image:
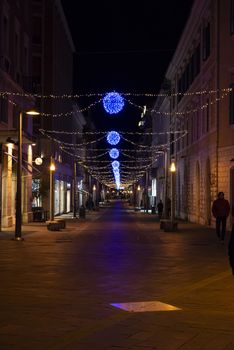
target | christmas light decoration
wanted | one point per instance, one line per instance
(113, 138)
(115, 164)
(114, 153)
(113, 102)
(88, 95)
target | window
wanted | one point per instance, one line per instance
(207, 115)
(194, 126)
(191, 129)
(4, 109)
(197, 60)
(206, 42)
(172, 144)
(16, 50)
(232, 17)
(5, 36)
(16, 112)
(37, 31)
(26, 55)
(231, 112)
(198, 127)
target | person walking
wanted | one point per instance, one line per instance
(160, 209)
(221, 210)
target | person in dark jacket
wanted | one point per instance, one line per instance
(221, 210)
(231, 250)
(160, 209)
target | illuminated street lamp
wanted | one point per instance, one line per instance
(38, 161)
(18, 212)
(173, 171)
(52, 170)
(138, 196)
(94, 195)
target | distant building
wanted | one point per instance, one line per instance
(52, 72)
(203, 62)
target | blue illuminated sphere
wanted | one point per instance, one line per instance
(114, 153)
(113, 138)
(115, 164)
(113, 102)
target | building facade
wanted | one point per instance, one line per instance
(15, 70)
(201, 73)
(52, 74)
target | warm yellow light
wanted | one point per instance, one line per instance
(138, 188)
(173, 167)
(52, 167)
(94, 188)
(32, 112)
(39, 161)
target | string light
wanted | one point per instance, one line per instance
(101, 172)
(114, 106)
(62, 132)
(77, 96)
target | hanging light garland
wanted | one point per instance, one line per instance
(114, 102)
(88, 95)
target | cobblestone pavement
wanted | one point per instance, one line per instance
(57, 287)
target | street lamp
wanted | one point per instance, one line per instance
(173, 171)
(138, 196)
(52, 170)
(94, 195)
(18, 212)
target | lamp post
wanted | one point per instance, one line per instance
(165, 183)
(52, 170)
(138, 195)
(18, 211)
(74, 191)
(173, 170)
(94, 195)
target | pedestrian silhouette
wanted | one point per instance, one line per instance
(160, 209)
(221, 210)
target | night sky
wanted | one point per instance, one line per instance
(123, 46)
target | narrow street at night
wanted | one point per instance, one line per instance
(115, 281)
